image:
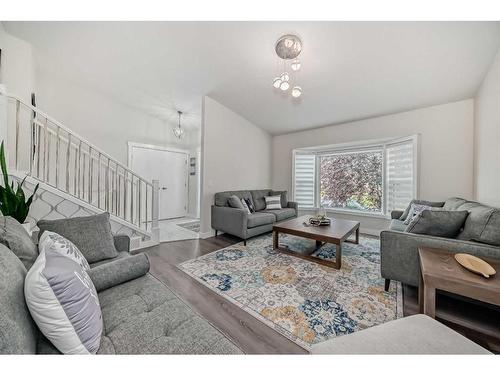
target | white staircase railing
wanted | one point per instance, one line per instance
(51, 153)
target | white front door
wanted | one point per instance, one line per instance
(170, 168)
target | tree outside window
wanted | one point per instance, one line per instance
(352, 181)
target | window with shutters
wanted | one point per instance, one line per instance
(375, 177)
(400, 174)
(304, 179)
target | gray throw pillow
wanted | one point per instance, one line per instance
(438, 223)
(283, 195)
(91, 235)
(491, 232)
(235, 202)
(422, 202)
(14, 236)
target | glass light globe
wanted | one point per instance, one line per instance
(277, 82)
(178, 132)
(284, 85)
(296, 65)
(285, 77)
(296, 91)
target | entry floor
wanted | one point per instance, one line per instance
(178, 229)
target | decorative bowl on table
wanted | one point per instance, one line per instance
(319, 221)
(475, 264)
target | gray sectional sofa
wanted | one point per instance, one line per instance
(141, 315)
(480, 236)
(237, 222)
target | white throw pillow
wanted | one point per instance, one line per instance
(63, 300)
(273, 202)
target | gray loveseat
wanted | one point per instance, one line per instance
(141, 315)
(399, 249)
(237, 222)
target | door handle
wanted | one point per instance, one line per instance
(163, 188)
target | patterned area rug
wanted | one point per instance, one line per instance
(193, 226)
(306, 302)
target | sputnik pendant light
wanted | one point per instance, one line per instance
(288, 48)
(178, 132)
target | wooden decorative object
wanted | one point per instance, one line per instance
(475, 264)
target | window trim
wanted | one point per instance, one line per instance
(359, 147)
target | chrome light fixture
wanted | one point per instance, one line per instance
(178, 132)
(288, 48)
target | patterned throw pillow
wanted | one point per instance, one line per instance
(273, 202)
(245, 206)
(416, 210)
(250, 205)
(62, 298)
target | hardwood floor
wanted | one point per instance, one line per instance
(479, 322)
(247, 332)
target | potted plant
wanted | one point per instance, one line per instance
(13, 202)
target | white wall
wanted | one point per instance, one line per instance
(17, 70)
(487, 138)
(445, 155)
(236, 155)
(16, 77)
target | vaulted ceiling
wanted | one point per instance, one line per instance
(350, 70)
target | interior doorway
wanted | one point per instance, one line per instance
(170, 168)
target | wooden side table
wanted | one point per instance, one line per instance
(440, 270)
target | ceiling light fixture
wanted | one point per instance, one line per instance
(296, 91)
(296, 65)
(288, 48)
(178, 132)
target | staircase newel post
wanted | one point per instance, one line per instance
(155, 210)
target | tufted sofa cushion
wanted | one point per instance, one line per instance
(143, 316)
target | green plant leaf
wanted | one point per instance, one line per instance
(4, 166)
(13, 202)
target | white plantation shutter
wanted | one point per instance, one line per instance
(304, 179)
(400, 174)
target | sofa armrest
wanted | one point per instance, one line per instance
(293, 205)
(396, 214)
(122, 242)
(230, 220)
(399, 253)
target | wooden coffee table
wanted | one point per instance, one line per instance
(336, 233)
(440, 270)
